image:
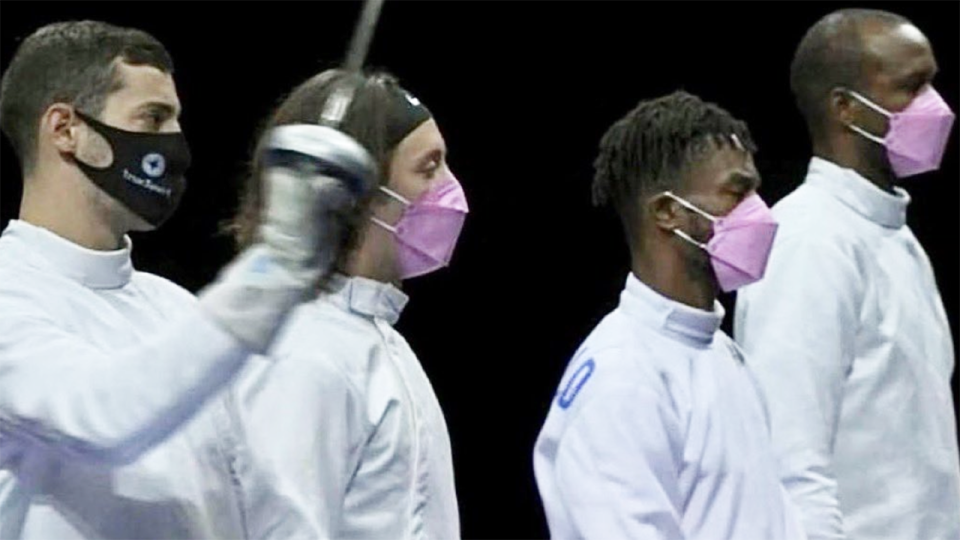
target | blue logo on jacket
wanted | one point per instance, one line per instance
(576, 382)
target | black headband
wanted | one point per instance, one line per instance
(404, 115)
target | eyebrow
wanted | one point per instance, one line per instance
(923, 73)
(433, 153)
(919, 76)
(742, 180)
(159, 108)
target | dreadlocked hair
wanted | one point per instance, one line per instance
(648, 150)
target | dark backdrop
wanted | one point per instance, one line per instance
(523, 92)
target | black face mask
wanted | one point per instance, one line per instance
(146, 175)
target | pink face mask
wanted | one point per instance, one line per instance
(917, 137)
(429, 228)
(741, 241)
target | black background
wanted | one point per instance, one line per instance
(522, 91)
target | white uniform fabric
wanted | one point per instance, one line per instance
(657, 432)
(848, 337)
(347, 425)
(98, 364)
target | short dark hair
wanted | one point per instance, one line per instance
(829, 56)
(649, 149)
(366, 121)
(70, 62)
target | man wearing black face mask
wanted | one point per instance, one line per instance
(107, 426)
(146, 174)
(847, 332)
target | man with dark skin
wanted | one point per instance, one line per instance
(657, 431)
(847, 333)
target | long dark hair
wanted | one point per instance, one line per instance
(365, 121)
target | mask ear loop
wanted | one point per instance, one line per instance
(695, 210)
(690, 239)
(859, 97)
(395, 196)
(691, 207)
(875, 108)
(383, 224)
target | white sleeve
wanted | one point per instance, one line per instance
(798, 326)
(59, 390)
(617, 467)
